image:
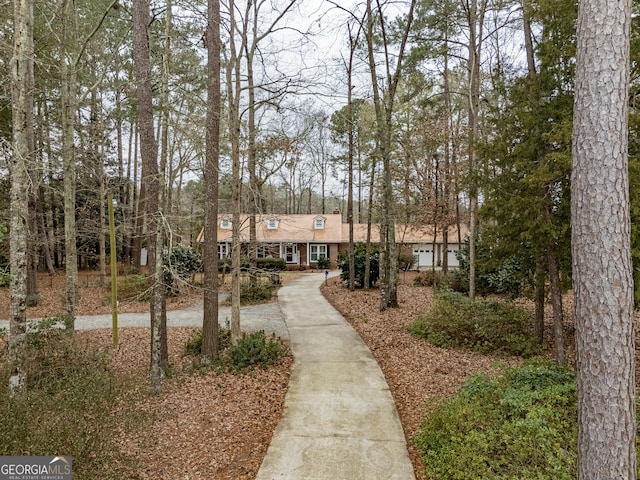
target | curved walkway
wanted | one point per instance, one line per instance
(340, 422)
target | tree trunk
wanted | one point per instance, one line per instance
(540, 281)
(233, 94)
(384, 116)
(20, 93)
(211, 177)
(601, 251)
(474, 48)
(352, 121)
(68, 103)
(150, 177)
(556, 302)
(367, 264)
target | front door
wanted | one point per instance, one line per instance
(291, 253)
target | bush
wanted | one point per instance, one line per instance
(193, 346)
(70, 393)
(360, 261)
(255, 350)
(271, 264)
(323, 263)
(428, 278)
(181, 265)
(251, 350)
(481, 325)
(405, 261)
(33, 299)
(520, 425)
(501, 275)
(134, 287)
(255, 292)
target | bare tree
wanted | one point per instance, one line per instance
(600, 220)
(384, 105)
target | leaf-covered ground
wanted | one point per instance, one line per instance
(219, 427)
(417, 373)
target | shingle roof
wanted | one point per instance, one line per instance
(300, 229)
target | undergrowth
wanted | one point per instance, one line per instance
(484, 326)
(67, 406)
(251, 350)
(520, 425)
(257, 292)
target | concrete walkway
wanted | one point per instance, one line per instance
(340, 422)
(267, 317)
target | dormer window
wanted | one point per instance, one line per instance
(225, 223)
(318, 223)
(272, 223)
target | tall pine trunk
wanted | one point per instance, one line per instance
(601, 245)
(211, 177)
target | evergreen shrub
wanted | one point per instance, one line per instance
(180, 266)
(323, 263)
(271, 264)
(250, 350)
(255, 350)
(521, 425)
(255, 292)
(134, 287)
(485, 326)
(360, 255)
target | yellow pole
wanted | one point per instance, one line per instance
(114, 271)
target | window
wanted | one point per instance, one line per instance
(272, 223)
(318, 223)
(317, 252)
(225, 223)
(223, 250)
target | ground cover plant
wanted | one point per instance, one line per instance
(251, 350)
(521, 424)
(66, 406)
(486, 326)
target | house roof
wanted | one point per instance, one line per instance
(300, 229)
(289, 229)
(405, 233)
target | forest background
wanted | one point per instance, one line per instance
(475, 128)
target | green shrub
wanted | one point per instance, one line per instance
(255, 350)
(193, 346)
(520, 425)
(405, 261)
(180, 266)
(249, 351)
(66, 407)
(481, 325)
(360, 255)
(271, 264)
(496, 272)
(134, 287)
(428, 278)
(323, 263)
(255, 292)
